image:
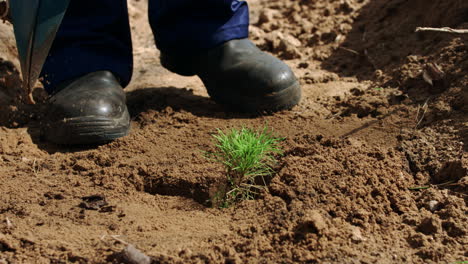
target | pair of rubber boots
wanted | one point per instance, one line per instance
(92, 109)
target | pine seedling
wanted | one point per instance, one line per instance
(248, 156)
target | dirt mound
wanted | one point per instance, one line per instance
(335, 196)
(372, 40)
(375, 167)
(358, 37)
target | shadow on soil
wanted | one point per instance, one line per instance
(383, 39)
(178, 99)
(383, 35)
(138, 102)
(383, 47)
(208, 191)
(201, 192)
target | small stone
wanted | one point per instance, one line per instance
(135, 256)
(356, 235)
(290, 40)
(433, 205)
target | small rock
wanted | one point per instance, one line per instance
(356, 235)
(135, 256)
(290, 40)
(433, 205)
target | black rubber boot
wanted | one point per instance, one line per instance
(87, 110)
(240, 76)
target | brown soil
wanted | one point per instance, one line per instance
(368, 131)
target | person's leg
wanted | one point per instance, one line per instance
(94, 36)
(208, 38)
(89, 63)
(189, 26)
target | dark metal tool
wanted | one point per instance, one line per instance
(35, 24)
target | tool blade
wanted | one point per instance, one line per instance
(35, 25)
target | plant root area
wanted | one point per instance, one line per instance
(374, 171)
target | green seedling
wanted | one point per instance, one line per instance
(248, 157)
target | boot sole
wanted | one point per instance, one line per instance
(87, 130)
(273, 102)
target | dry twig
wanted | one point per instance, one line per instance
(35, 167)
(350, 50)
(421, 109)
(444, 29)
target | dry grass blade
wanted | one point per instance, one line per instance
(421, 113)
(350, 50)
(443, 29)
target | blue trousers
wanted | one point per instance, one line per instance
(95, 34)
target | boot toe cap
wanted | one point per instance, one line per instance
(258, 83)
(89, 110)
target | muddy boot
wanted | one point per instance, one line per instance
(87, 110)
(240, 76)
